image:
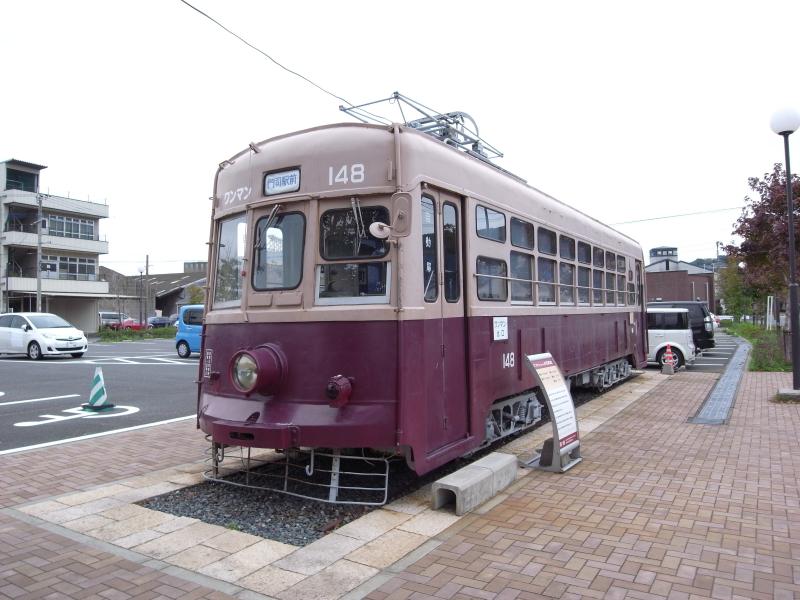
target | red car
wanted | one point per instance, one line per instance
(127, 324)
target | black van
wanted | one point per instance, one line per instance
(699, 319)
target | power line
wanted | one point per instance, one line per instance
(244, 41)
(702, 212)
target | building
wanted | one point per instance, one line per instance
(64, 234)
(668, 278)
(147, 295)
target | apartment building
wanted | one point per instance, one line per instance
(64, 234)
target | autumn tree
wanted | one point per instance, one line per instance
(763, 226)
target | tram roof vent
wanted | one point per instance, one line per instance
(457, 129)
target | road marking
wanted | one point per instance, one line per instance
(93, 435)
(38, 399)
(79, 413)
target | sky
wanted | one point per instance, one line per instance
(628, 111)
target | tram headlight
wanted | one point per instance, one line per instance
(262, 369)
(245, 372)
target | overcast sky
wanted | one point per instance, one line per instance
(626, 110)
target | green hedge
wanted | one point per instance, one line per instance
(110, 335)
(767, 353)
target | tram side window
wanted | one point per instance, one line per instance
(451, 246)
(584, 284)
(597, 287)
(598, 260)
(566, 247)
(621, 263)
(429, 266)
(584, 253)
(547, 280)
(610, 287)
(621, 287)
(278, 252)
(521, 234)
(495, 286)
(547, 241)
(566, 281)
(522, 269)
(490, 224)
(230, 259)
(611, 261)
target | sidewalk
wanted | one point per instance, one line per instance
(659, 508)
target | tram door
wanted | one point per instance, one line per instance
(446, 396)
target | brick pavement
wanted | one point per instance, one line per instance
(659, 508)
(36, 563)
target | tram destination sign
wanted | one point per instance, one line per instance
(562, 451)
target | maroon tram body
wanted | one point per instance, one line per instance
(322, 331)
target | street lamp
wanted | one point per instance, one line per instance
(785, 122)
(141, 293)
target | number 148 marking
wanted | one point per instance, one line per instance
(347, 174)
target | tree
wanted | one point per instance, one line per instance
(763, 226)
(737, 296)
(196, 294)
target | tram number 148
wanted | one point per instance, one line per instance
(346, 174)
(508, 360)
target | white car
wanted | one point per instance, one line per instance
(670, 326)
(40, 334)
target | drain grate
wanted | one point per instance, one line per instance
(717, 407)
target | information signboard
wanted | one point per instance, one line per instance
(562, 451)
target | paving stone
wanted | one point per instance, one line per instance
(244, 562)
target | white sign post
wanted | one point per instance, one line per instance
(562, 451)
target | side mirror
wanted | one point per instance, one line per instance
(401, 214)
(26, 327)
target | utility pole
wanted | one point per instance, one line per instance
(39, 254)
(147, 284)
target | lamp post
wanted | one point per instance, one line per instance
(141, 293)
(785, 122)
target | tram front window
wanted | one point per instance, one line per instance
(345, 237)
(278, 252)
(230, 257)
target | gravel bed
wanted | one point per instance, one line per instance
(290, 519)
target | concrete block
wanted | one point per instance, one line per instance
(470, 486)
(503, 467)
(476, 483)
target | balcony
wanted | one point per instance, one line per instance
(56, 203)
(51, 243)
(51, 285)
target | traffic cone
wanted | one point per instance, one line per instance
(98, 398)
(667, 367)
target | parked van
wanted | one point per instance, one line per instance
(699, 318)
(108, 318)
(669, 326)
(190, 326)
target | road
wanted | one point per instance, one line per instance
(40, 400)
(714, 360)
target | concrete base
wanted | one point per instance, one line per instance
(788, 395)
(476, 483)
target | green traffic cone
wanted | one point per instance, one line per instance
(98, 398)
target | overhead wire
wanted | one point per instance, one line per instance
(244, 41)
(702, 212)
